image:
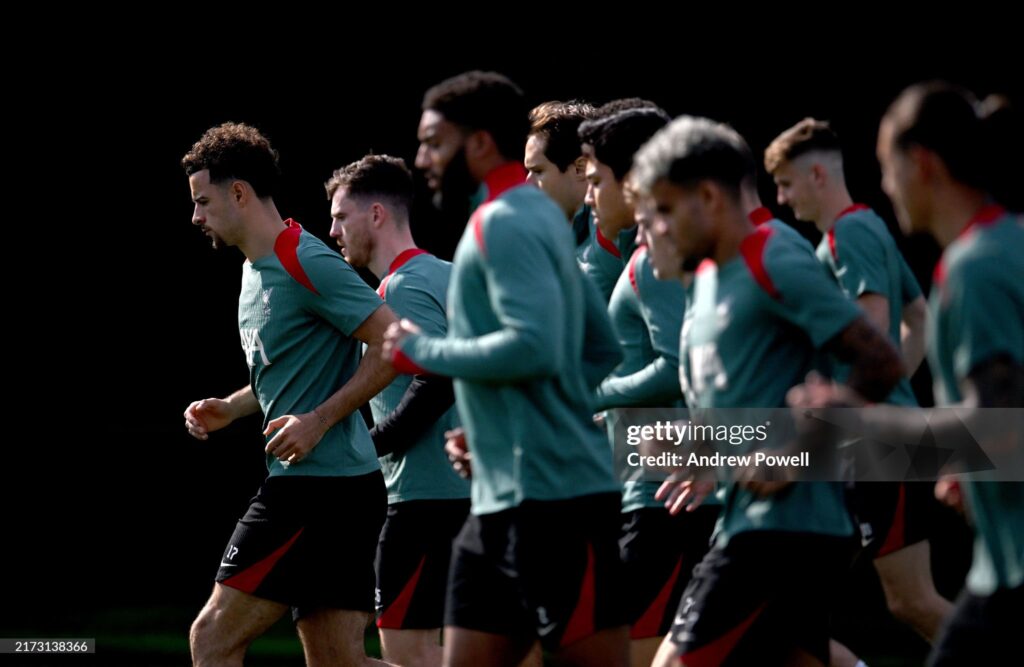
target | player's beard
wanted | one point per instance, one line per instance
(457, 186)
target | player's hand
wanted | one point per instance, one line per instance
(296, 436)
(395, 334)
(818, 392)
(458, 453)
(683, 493)
(209, 414)
(949, 492)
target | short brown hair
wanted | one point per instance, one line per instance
(806, 136)
(558, 124)
(377, 177)
(235, 150)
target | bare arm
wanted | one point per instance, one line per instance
(875, 365)
(298, 434)
(876, 309)
(212, 414)
(912, 333)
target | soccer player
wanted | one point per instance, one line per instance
(427, 501)
(858, 250)
(760, 312)
(538, 558)
(935, 149)
(611, 243)
(301, 313)
(659, 550)
(554, 160)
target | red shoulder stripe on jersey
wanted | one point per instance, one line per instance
(286, 247)
(760, 215)
(853, 208)
(986, 215)
(249, 579)
(477, 221)
(606, 244)
(632, 266)
(752, 249)
(398, 263)
(705, 265)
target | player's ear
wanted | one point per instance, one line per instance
(240, 192)
(580, 167)
(378, 214)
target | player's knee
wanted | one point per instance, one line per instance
(412, 650)
(906, 606)
(205, 641)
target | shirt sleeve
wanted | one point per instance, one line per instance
(342, 298)
(909, 287)
(662, 304)
(427, 396)
(979, 324)
(807, 297)
(601, 350)
(525, 295)
(860, 261)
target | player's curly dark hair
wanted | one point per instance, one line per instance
(235, 151)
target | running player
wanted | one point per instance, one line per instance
(760, 312)
(894, 519)
(554, 161)
(934, 149)
(427, 501)
(538, 558)
(301, 313)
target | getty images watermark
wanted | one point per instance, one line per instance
(840, 444)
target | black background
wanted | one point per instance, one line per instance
(126, 315)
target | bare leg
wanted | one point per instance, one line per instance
(227, 624)
(906, 577)
(840, 656)
(667, 655)
(412, 648)
(472, 648)
(642, 651)
(334, 638)
(606, 648)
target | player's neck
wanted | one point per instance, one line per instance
(262, 230)
(730, 236)
(953, 207)
(833, 202)
(387, 248)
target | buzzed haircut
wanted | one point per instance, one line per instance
(805, 137)
(484, 101)
(623, 104)
(558, 124)
(617, 137)
(692, 149)
(944, 119)
(236, 151)
(377, 177)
